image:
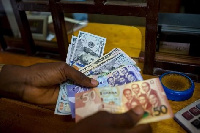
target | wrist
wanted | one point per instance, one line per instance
(11, 84)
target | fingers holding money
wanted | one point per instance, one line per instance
(128, 119)
(127, 122)
(113, 123)
(79, 77)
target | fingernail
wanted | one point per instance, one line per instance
(138, 110)
(94, 82)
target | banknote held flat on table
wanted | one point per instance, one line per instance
(119, 99)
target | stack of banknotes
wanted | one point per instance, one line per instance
(121, 86)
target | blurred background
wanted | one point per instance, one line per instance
(178, 25)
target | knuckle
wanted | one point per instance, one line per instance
(81, 78)
(63, 70)
(63, 65)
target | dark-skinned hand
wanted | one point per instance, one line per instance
(104, 122)
(39, 83)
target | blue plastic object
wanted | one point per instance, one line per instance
(178, 95)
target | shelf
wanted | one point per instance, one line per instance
(172, 62)
(45, 49)
(165, 62)
(177, 58)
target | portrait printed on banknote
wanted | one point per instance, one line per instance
(88, 48)
(86, 57)
(145, 94)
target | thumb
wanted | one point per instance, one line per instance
(128, 119)
(79, 77)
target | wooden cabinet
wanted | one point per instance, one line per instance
(179, 28)
(170, 6)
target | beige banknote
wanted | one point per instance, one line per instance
(119, 99)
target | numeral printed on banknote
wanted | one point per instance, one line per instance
(86, 103)
(71, 90)
(151, 96)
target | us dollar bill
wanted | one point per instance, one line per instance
(68, 54)
(110, 64)
(102, 59)
(88, 48)
(62, 105)
(69, 57)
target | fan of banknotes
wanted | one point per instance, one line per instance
(121, 86)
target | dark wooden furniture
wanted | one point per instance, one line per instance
(155, 63)
(149, 10)
(4, 27)
(183, 28)
(167, 6)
